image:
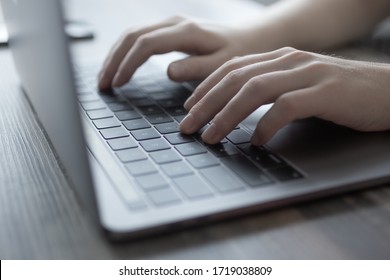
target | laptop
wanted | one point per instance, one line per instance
(137, 175)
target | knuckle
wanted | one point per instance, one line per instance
(198, 111)
(299, 56)
(288, 105)
(230, 65)
(128, 35)
(287, 49)
(144, 41)
(318, 66)
(190, 25)
(255, 85)
(178, 18)
(234, 76)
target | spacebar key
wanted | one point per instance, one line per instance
(247, 170)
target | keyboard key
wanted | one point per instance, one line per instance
(155, 145)
(127, 115)
(130, 155)
(193, 187)
(122, 143)
(99, 114)
(88, 98)
(150, 109)
(152, 181)
(178, 138)
(262, 156)
(165, 156)
(106, 123)
(164, 95)
(181, 92)
(118, 106)
(152, 87)
(142, 102)
(144, 76)
(159, 118)
(165, 128)
(203, 160)
(285, 173)
(115, 132)
(111, 97)
(169, 103)
(250, 150)
(90, 81)
(134, 205)
(93, 105)
(269, 161)
(164, 197)
(176, 169)
(170, 85)
(133, 94)
(142, 167)
(144, 134)
(179, 118)
(136, 124)
(246, 170)
(83, 90)
(223, 150)
(239, 136)
(222, 180)
(130, 87)
(176, 111)
(190, 149)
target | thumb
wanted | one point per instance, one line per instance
(194, 67)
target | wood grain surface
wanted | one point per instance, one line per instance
(40, 217)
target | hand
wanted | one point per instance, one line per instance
(209, 47)
(300, 84)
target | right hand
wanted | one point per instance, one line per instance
(300, 85)
(208, 45)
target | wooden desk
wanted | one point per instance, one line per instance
(40, 217)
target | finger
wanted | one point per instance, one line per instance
(173, 38)
(123, 45)
(220, 95)
(228, 67)
(258, 91)
(289, 107)
(217, 98)
(195, 67)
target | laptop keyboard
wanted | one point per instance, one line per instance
(140, 124)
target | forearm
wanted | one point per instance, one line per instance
(316, 24)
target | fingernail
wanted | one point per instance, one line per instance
(188, 123)
(210, 135)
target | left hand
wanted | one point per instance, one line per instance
(208, 44)
(300, 84)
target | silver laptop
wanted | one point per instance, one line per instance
(128, 163)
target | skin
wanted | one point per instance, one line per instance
(349, 93)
